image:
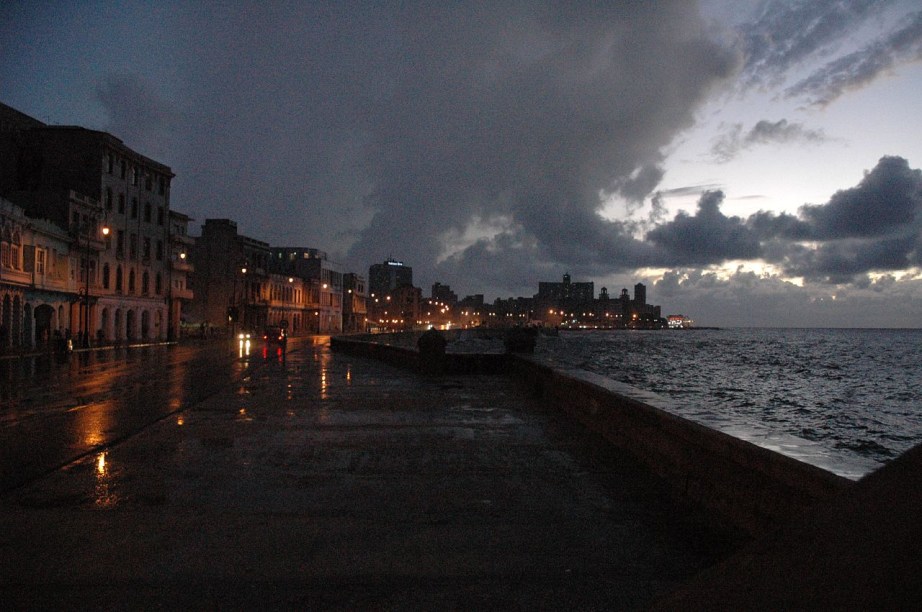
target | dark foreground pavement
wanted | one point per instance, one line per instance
(330, 481)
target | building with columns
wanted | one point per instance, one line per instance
(114, 206)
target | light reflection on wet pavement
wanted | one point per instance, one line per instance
(54, 410)
(325, 480)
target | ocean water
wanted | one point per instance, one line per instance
(847, 400)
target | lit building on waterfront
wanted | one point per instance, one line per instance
(323, 280)
(355, 303)
(114, 205)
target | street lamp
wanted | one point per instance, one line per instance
(86, 292)
(246, 295)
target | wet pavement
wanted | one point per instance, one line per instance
(330, 481)
(55, 408)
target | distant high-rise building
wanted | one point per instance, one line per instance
(566, 292)
(443, 293)
(385, 278)
(640, 295)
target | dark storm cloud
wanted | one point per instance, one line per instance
(873, 227)
(888, 200)
(845, 261)
(530, 111)
(377, 130)
(708, 237)
(137, 114)
(732, 142)
(863, 66)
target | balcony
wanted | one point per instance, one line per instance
(183, 265)
(182, 239)
(182, 294)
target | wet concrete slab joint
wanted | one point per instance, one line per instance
(339, 481)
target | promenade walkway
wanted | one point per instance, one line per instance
(332, 481)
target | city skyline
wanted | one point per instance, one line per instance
(753, 163)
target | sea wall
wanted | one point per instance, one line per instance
(400, 350)
(754, 488)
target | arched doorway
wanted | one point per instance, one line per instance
(105, 323)
(119, 325)
(6, 325)
(130, 325)
(16, 327)
(44, 324)
(28, 340)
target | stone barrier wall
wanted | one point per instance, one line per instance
(752, 487)
(398, 352)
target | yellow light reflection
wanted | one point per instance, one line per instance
(103, 494)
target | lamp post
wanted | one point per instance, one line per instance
(86, 292)
(246, 296)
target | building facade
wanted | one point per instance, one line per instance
(355, 303)
(114, 205)
(323, 279)
(231, 272)
(38, 280)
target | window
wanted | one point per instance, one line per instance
(121, 203)
(105, 276)
(146, 251)
(108, 198)
(159, 284)
(109, 162)
(40, 262)
(160, 215)
(123, 168)
(5, 254)
(134, 175)
(131, 281)
(148, 182)
(15, 262)
(120, 243)
(134, 208)
(118, 279)
(160, 250)
(133, 246)
(147, 212)
(161, 188)
(145, 283)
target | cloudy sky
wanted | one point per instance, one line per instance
(754, 163)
